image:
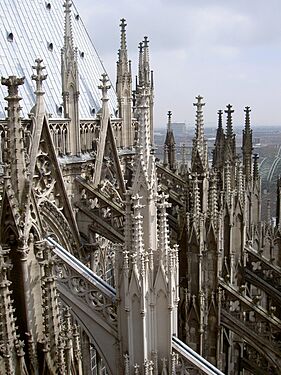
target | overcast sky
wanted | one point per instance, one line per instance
(229, 51)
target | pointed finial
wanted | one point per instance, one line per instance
(141, 73)
(229, 111)
(145, 41)
(123, 33)
(39, 77)
(68, 37)
(169, 120)
(220, 113)
(199, 101)
(247, 111)
(123, 25)
(199, 120)
(104, 87)
(67, 4)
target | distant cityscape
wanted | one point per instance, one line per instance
(266, 143)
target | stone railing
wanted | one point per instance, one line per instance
(84, 286)
(190, 362)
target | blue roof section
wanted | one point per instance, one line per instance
(31, 29)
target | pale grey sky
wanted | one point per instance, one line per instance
(229, 51)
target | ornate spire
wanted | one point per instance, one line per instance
(122, 63)
(104, 117)
(247, 111)
(247, 145)
(169, 127)
(199, 148)
(199, 129)
(218, 152)
(169, 146)
(144, 140)
(146, 67)
(141, 64)
(124, 91)
(220, 113)
(229, 129)
(70, 82)
(230, 149)
(123, 34)
(68, 36)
